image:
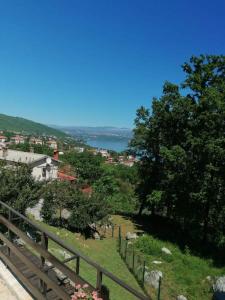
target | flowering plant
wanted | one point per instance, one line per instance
(82, 293)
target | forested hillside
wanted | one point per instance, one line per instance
(26, 126)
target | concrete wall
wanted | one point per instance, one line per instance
(44, 172)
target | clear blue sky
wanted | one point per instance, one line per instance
(78, 62)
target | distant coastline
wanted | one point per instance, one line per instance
(109, 143)
(109, 138)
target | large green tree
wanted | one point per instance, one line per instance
(181, 145)
(18, 187)
(83, 209)
(86, 165)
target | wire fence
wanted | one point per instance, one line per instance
(133, 258)
(136, 263)
(114, 230)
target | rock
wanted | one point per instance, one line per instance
(60, 275)
(36, 210)
(48, 264)
(64, 253)
(30, 236)
(96, 236)
(92, 226)
(152, 278)
(65, 213)
(166, 251)
(157, 262)
(181, 297)
(209, 278)
(219, 288)
(130, 236)
(19, 242)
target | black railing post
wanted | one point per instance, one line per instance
(44, 244)
(133, 260)
(9, 231)
(125, 257)
(159, 288)
(78, 265)
(120, 239)
(143, 274)
(99, 281)
(112, 231)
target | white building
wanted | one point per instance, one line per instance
(52, 144)
(18, 139)
(43, 167)
(36, 141)
(103, 152)
(79, 149)
(2, 139)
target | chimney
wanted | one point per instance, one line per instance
(56, 154)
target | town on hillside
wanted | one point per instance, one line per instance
(42, 154)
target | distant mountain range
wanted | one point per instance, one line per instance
(25, 126)
(96, 132)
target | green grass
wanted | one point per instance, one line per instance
(103, 252)
(183, 273)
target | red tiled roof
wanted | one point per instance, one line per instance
(87, 190)
(63, 176)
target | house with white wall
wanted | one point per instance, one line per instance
(3, 139)
(18, 139)
(43, 166)
(52, 144)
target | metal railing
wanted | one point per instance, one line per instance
(46, 283)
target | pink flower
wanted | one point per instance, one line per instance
(85, 286)
(78, 286)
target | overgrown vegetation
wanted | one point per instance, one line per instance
(115, 183)
(17, 187)
(183, 273)
(81, 210)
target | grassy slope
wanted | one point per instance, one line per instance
(103, 252)
(27, 126)
(183, 273)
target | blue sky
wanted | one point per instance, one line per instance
(95, 62)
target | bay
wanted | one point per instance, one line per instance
(115, 144)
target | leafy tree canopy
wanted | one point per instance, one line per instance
(18, 188)
(181, 144)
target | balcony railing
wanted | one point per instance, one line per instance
(35, 266)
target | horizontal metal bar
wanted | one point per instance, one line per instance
(46, 269)
(47, 255)
(15, 219)
(24, 281)
(33, 267)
